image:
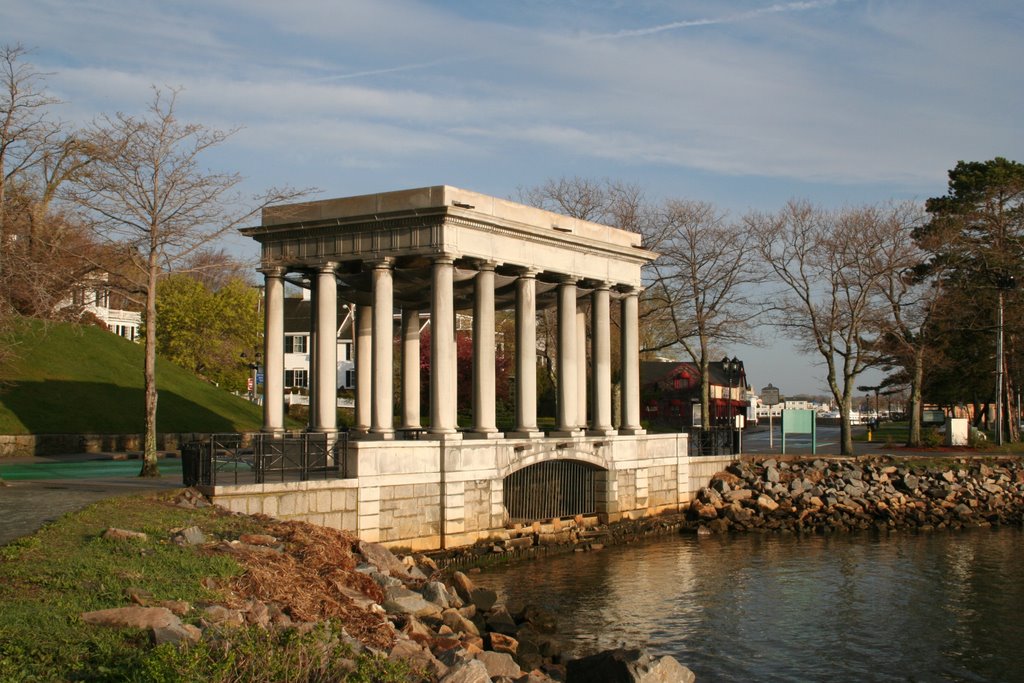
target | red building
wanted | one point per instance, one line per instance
(670, 392)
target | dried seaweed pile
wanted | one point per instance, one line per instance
(308, 576)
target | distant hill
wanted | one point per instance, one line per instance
(75, 379)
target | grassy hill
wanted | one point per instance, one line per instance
(73, 379)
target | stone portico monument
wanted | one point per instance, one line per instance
(442, 249)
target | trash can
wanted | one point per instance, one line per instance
(190, 453)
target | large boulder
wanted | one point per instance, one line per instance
(627, 666)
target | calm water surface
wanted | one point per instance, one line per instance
(899, 607)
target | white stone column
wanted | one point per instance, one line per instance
(326, 350)
(443, 415)
(581, 366)
(568, 389)
(311, 414)
(362, 343)
(631, 364)
(484, 417)
(601, 361)
(382, 412)
(410, 368)
(273, 351)
(526, 356)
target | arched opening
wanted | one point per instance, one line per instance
(556, 488)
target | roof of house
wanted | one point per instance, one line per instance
(654, 371)
(298, 312)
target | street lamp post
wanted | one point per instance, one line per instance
(254, 366)
(732, 369)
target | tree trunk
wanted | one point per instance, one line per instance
(150, 468)
(845, 429)
(914, 433)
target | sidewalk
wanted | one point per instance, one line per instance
(26, 504)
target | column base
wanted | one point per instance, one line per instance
(274, 431)
(442, 436)
(630, 431)
(525, 435)
(602, 431)
(379, 436)
(566, 433)
(495, 434)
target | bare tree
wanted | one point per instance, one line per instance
(913, 294)
(147, 193)
(830, 267)
(43, 251)
(704, 283)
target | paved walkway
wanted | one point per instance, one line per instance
(28, 504)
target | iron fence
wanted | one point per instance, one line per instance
(712, 440)
(559, 488)
(225, 459)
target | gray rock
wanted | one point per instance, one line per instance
(483, 598)
(469, 671)
(192, 535)
(116, 534)
(437, 592)
(132, 617)
(627, 666)
(771, 475)
(501, 621)
(176, 633)
(399, 600)
(738, 494)
(499, 664)
(384, 560)
(459, 623)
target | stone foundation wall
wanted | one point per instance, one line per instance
(426, 495)
(330, 503)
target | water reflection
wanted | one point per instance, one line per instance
(900, 607)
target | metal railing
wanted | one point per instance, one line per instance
(222, 459)
(712, 440)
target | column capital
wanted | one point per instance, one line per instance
(328, 267)
(484, 264)
(525, 272)
(273, 271)
(603, 285)
(384, 263)
(630, 290)
(564, 279)
(444, 258)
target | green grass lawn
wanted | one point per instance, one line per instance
(49, 579)
(74, 379)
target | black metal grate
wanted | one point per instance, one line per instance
(222, 459)
(557, 488)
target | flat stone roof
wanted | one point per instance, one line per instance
(441, 197)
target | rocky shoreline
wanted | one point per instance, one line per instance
(403, 608)
(418, 609)
(822, 496)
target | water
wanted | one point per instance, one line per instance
(858, 607)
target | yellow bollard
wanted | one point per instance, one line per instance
(869, 433)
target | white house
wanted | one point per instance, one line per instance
(93, 297)
(297, 316)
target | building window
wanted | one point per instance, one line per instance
(296, 378)
(350, 378)
(346, 351)
(295, 343)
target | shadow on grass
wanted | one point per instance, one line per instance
(69, 407)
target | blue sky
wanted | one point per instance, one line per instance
(743, 103)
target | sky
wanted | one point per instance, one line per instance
(742, 103)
